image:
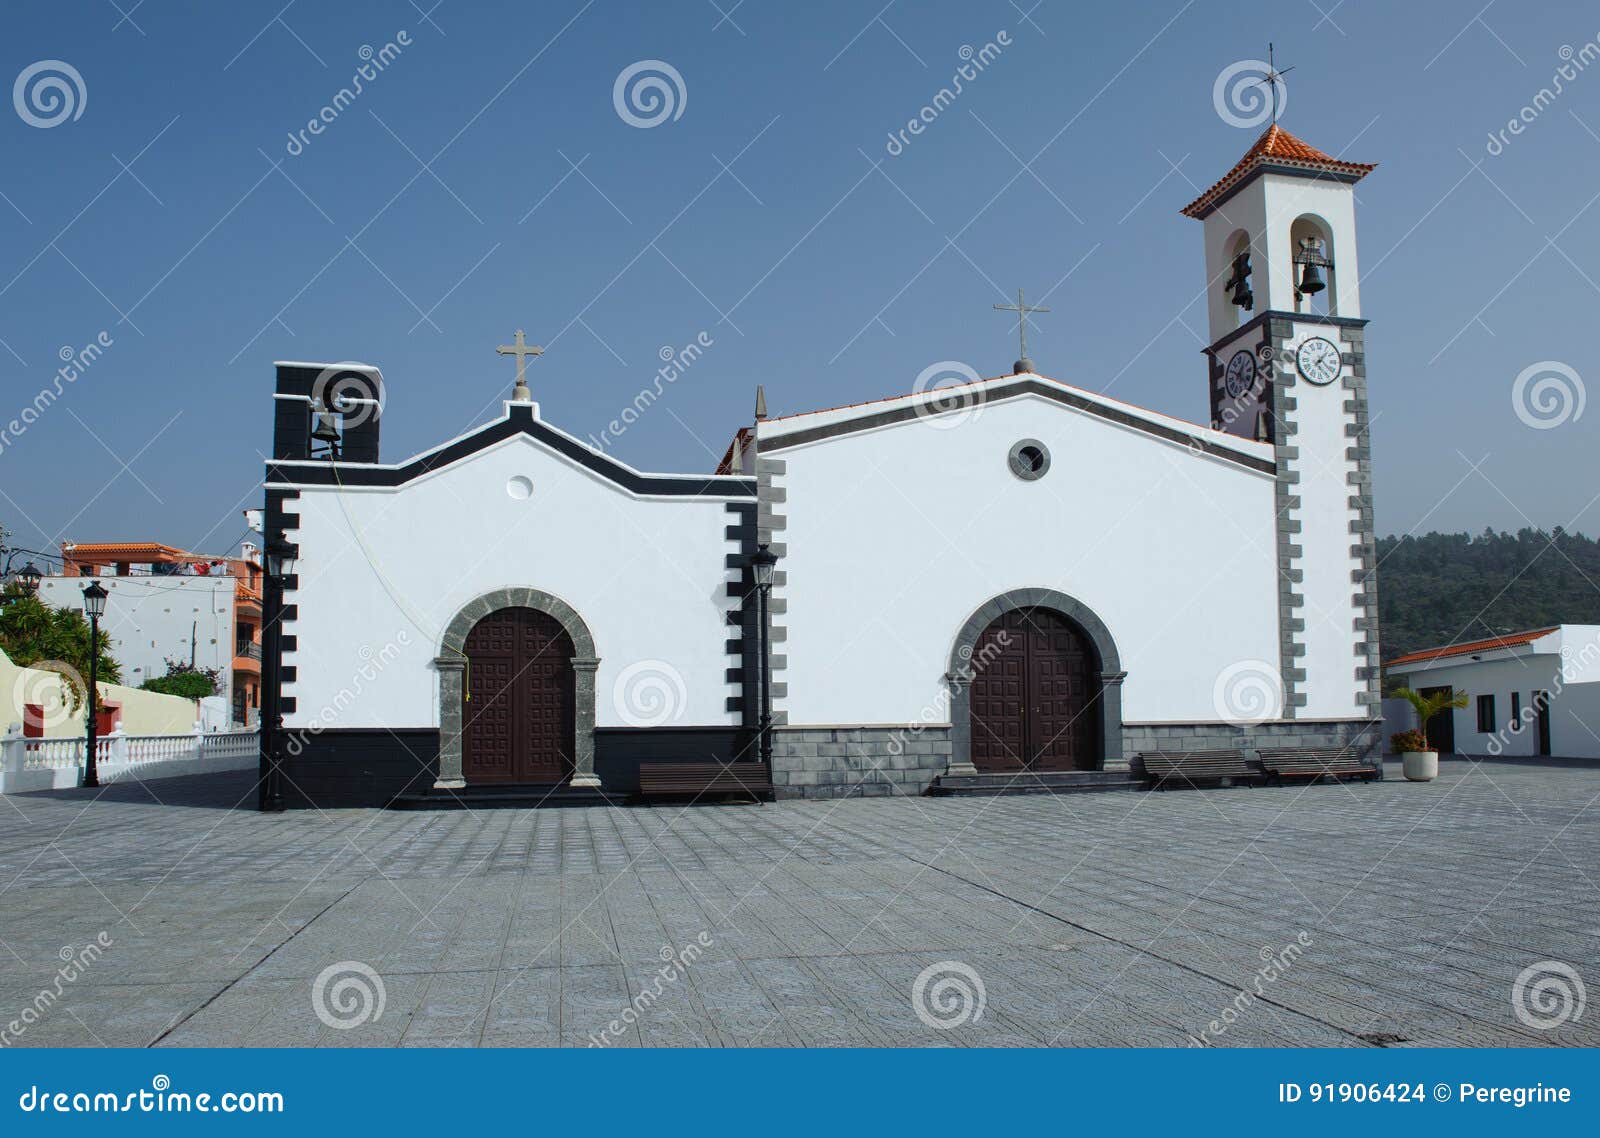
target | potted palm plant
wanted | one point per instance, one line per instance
(1418, 760)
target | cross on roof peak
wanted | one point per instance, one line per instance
(1022, 308)
(522, 350)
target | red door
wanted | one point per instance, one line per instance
(518, 715)
(1034, 695)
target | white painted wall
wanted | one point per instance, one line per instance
(150, 618)
(896, 535)
(1565, 664)
(1327, 585)
(383, 571)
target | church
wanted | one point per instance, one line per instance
(962, 588)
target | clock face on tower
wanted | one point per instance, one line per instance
(1240, 401)
(1318, 361)
(1240, 375)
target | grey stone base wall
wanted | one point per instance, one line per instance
(855, 762)
(1288, 733)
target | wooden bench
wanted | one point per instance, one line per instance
(660, 780)
(1189, 768)
(1282, 763)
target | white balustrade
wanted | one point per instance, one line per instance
(56, 763)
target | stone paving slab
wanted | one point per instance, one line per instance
(1299, 916)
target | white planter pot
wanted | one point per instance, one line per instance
(1420, 766)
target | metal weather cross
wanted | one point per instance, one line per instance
(1273, 78)
(522, 350)
(1022, 308)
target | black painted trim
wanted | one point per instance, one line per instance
(1267, 314)
(1050, 391)
(520, 422)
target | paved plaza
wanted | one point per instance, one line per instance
(1392, 913)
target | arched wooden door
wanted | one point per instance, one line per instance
(518, 714)
(1035, 695)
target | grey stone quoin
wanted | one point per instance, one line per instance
(452, 664)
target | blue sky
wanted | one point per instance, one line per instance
(485, 181)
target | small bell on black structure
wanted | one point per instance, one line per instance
(327, 431)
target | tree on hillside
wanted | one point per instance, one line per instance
(1443, 588)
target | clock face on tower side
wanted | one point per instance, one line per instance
(1318, 361)
(1240, 376)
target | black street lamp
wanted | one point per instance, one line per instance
(28, 577)
(762, 562)
(94, 607)
(281, 560)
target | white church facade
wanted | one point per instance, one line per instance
(1014, 576)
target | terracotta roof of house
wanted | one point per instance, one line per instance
(134, 552)
(1276, 147)
(1510, 640)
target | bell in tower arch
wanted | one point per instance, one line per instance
(1311, 261)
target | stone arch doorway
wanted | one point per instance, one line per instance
(1036, 684)
(1034, 693)
(531, 661)
(518, 714)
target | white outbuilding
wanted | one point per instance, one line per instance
(1528, 693)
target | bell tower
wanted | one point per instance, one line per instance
(1287, 367)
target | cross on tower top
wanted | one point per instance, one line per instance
(1021, 308)
(1273, 78)
(522, 350)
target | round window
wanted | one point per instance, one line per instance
(1029, 459)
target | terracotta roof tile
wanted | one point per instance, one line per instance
(1276, 147)
(1489, 644)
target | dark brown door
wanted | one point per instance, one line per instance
(1034, 695)
(519, 710)
(1541, 704)
(1441, 729)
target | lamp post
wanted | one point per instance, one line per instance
(761, 565)
(281, 561)
(94, 607)
(28, 577)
